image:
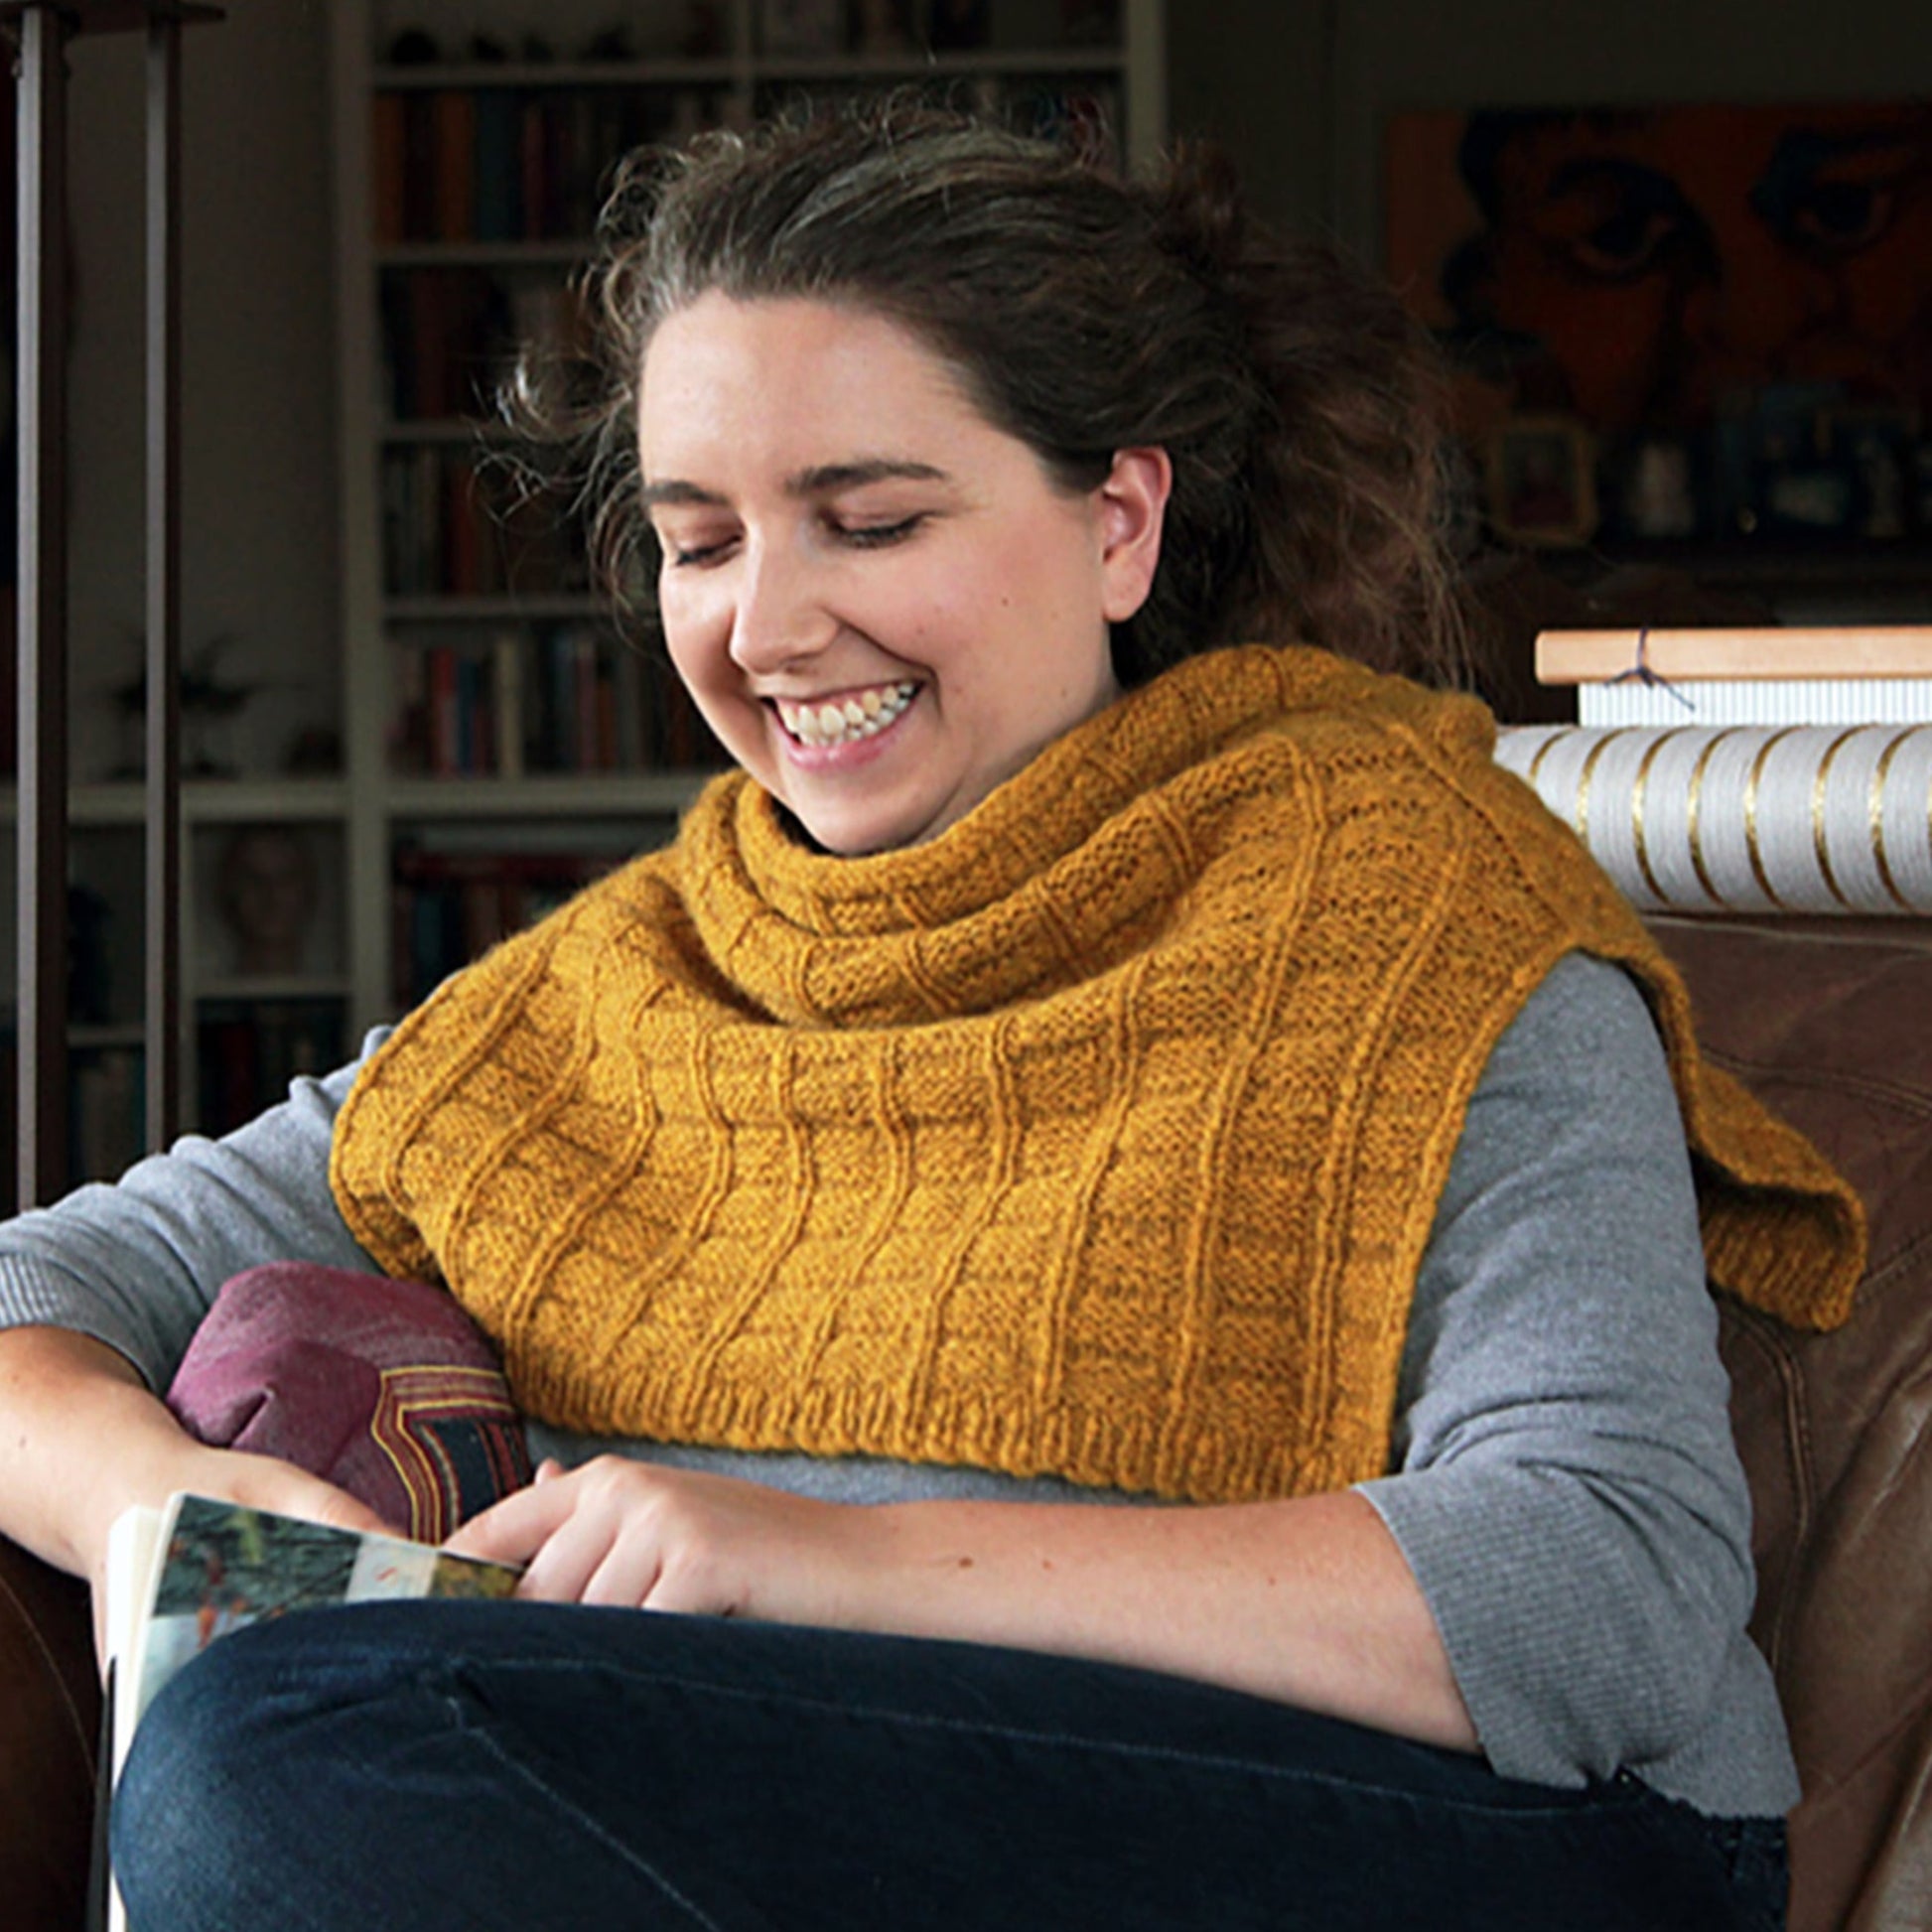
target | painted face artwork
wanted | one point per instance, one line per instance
(1642, 268)
(882, 605)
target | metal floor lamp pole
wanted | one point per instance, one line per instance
(45, 31)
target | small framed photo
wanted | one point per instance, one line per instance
(1541, 481)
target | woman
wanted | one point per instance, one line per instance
(1078, 1059)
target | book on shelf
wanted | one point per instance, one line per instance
(455, 523)
(512, 164)
(248, 1051)
(106, 1111)
(567, 698)
(181, 1578)
(451, 906)
(1873, 674)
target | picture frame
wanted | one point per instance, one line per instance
(1540, 481)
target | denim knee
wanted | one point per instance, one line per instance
(183, 1815)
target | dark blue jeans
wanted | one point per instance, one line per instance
(477, 1765)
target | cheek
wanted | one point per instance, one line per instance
(692, 631)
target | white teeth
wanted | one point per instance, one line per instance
(865, 715)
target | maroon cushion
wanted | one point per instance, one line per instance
(385, 1388)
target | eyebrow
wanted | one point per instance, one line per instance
(822, 479)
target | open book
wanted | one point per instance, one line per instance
(183, 1577)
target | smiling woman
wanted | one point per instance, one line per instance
(834, 514)
(1107, 1241)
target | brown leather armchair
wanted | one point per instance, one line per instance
(1831, 1026)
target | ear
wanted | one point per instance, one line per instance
(1133, 504)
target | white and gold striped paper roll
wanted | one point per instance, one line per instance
(1743, 819)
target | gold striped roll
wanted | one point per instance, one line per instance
(1744, 818)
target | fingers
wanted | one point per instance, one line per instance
(593, 1535)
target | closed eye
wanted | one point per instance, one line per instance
(681, 556)
(878, 536)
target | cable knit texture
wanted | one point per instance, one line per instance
(1100, 1135)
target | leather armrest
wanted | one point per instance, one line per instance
(1836, 1033)
(50, 1727)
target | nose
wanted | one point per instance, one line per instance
(779, 616)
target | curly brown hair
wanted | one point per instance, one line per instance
(1084, 312)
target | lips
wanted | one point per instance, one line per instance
(846, 718)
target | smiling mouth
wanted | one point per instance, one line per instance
(843, 721)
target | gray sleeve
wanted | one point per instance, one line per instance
(1566, 1487)
(136, 1264)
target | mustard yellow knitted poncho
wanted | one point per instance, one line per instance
(1100, 1135)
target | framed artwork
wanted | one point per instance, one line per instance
(1735, 282)
(1540, 480)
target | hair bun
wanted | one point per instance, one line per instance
(1201, 212)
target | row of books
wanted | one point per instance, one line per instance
(248, 1051)
(451, 906)
(514, 164)
(246, 1054)
(451, 336)
(106, 1111)
(458, 522)
(567, 697)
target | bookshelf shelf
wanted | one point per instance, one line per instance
(669, 70)
(464, 194)
(561, 608)
(203, 802)
(622, 794)
(282, 986)
(510, 253)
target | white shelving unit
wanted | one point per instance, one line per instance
(376, 801)
(106, 1036)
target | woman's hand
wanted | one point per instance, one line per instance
(619, 1532)
(82, 1437)
(1307, 1601)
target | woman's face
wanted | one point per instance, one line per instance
(882, 605)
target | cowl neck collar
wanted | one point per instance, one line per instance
(1046, 880)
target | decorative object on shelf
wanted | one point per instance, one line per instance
(959, 26)
(1541, 476)
(1744, 819)
(1750, 282)
(267, 890)
(414, 47)
(1659, 499)
(209, 709)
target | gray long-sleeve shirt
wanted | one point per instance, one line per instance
(1563, 1480)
